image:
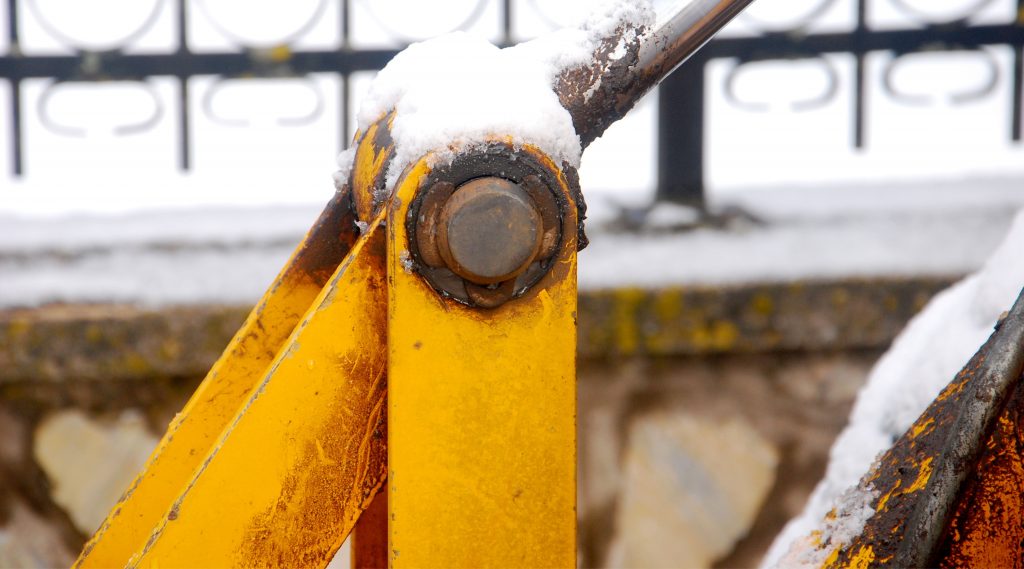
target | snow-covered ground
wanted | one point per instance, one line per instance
(174, 256)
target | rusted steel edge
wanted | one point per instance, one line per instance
(601, 93)
(1001, 368)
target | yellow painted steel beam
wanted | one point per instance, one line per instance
(482, 448)
(279, 487)
(192, 433)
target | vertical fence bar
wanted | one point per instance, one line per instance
(17, 136)
(681, 134)
(859, 89)
(184, 136)
(343, 104)
(506, 22)
(1018, 80)
(345, 22)
(12, 23)
(346, 87)
(1018, 92)
(184, 132)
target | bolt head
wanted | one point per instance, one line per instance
(489, 231)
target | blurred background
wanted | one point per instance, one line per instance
(761, 226)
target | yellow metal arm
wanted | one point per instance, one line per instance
(230, 382)
(286, 442)
(482, 449)
(306, 453)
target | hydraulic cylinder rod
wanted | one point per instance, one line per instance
(603, 92)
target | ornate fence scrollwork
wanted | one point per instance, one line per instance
(454, 20)
(964, 95)
(927, 33)
(800, 24)
(72, 40)
(799, 36)
(128, 128)
(308, 20)
(916, 10)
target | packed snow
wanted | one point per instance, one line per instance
(923, 359)
(457, 91)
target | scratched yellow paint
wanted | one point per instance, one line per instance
(288, 477)
(193, 431)
(373, 152)
(482, 448)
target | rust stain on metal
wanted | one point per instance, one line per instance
(329, 239)
(489, 230)
(987, 526)
(426, 227)
(594, 94)
(901, 474)
(370, 536)
(524, 168)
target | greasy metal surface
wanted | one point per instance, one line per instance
(522, 167)
(923, 514)
(677, 37)
(370, 536)
(227, 385)
(306, 452)
(602, 92)
(489, 230)
(482, 454)
(989, 391)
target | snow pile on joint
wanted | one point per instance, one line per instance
(922, 360)
(456, 92)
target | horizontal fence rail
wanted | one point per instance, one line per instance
(682, 97)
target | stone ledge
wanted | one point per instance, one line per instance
(803, 316)
(116, 342)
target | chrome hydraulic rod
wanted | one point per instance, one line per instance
(603, 92)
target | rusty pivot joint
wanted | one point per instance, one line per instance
(489, 226)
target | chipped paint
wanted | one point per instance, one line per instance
(985, 524)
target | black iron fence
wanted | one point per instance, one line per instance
(681, 109)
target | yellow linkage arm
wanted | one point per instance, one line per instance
(228, 385)
(305, 455)
(462, 296)
(482, 411)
